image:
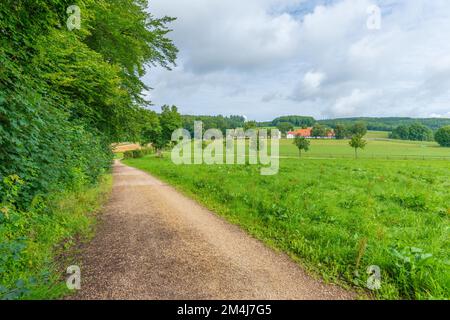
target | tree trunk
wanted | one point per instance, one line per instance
(356, 153)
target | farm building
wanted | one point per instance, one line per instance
(307, 133)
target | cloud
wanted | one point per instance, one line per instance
(313, 80)
(348, 105)
(238, 35)
(265, 58)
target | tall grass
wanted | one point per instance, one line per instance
(36, 246)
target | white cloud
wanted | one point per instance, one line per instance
(313, 80)
(264, 58)
(348, 105)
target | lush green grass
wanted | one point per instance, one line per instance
(37, 246)
(338, 216)
(379, 149)
(377, 135)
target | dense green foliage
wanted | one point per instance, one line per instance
(138, 153)
(298, 121)
(170, 121)
(414, 132)
(64, 97)
(213, 122)
(319, 130)
(375, 124)
(388, 124)
(442, 136)
(338, 216)
(249, 125)
(285, 127)
(32, 239)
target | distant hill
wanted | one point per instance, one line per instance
(390, 123)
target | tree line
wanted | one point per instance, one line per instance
(429, 129)
(68, 89)
(389, 123)
(66, 95)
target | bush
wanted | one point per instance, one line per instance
(48, 152)
(135, 154)
(442, 136)
(27, 249)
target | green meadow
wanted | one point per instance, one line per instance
(376, 148)
(338, 216)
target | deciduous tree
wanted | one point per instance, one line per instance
(357, 142)
(302, 144)
(442, 136)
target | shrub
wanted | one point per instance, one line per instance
(135, 154)
(442, 136)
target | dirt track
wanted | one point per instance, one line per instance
(154, 243)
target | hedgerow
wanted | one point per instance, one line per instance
(65, 96)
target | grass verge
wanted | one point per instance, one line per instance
(36, 245)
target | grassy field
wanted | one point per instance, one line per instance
(377, 135)
(378, 149)
(339, 216)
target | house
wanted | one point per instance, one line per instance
(300, 132)
(307, 133)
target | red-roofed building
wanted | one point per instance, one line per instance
(307, 133)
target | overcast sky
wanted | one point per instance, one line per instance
(266, 58)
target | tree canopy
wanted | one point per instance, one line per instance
(357, 142)
(414, 132)
(302, 144)
(65, 95)
(299, 121)
(285, 127)
(442, 136)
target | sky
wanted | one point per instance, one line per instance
(321, 58)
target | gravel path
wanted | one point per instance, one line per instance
(155, 243)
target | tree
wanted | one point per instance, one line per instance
(319, 131)
(341, 131)
(357, 142)
(285, 127)
(418, 132)
(66, 95)
(359, 128)
(414, 132)
(126, 34)
(170, 120)
(299, 121)
(442, 136)
(401, 132)
(302, 144)
(149, 126)
(250, 125)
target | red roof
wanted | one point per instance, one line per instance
(302, 132)
(308, 133)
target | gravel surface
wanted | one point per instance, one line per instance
(155, 243)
